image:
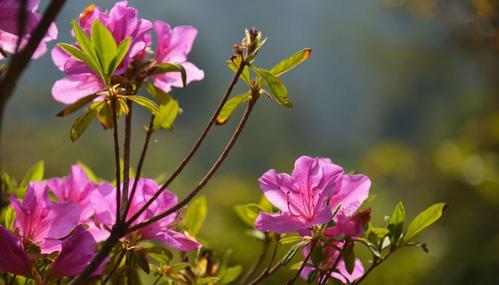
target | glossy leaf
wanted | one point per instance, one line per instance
(81, 123)
(171, 67)
(230, 106)
(424, 220)
(105, 45)
(231, 274)
(35, 173)
(166, 115)
(123, 48)
(371, 246)
(87, 46)
(196, 214)
(291, 62)
(290, 239)
(276, 87)
(162, 97)
(396, 223)
(81, 56)
(144, 102)
(77, 105)
(292, 251)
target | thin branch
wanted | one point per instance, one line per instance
(258, 262)
(333, 267)
(126, 156)
(210, 173)
(266, 273)
(115, 266)
(21, 59)
(21, 23)
(312, 247)
(196, 145)
(150, 130)
(116, 158)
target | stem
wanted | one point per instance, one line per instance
(196, 146)
(210, 173)
(330, 271)
(21, 59)
(21, 23)
(150, 130)
(115, 266)
(258, 262)
(376, 263)
(157, 280)
(266, 273)
(312, 247)
(116, 158)
(126, 156)
(117, 232)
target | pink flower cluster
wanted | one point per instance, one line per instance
(173, 45)
(74, 223)
(9, 27)
(309, 197)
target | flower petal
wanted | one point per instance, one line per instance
(279, 223)
(352, 191)
(13, 258)
(74, 87)
(176, 240)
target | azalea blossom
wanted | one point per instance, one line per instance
(301, 197)
(41, 221)
(13, 258)
(162, 230)
(330, 258)
(173, 45)
(9, 27)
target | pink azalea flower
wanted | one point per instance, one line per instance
(162, 231)
(174, 44)
(349, 226)
(301, 197)
(77, 252)
(9, 30)
(41, 221)
(330, 256)
(13, 258)
(123, 22)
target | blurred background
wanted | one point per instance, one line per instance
(403, 91)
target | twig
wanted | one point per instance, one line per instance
(116, 158)
(149, 132)
(258, 262)
(210, 173)
(196, 145)
(115, 266)
(266, 273)
(333, 267)
(21, 23)
(312, 247)
(126, 156)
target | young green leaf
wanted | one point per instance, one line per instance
(371, 246)
(144, 102)
(277, 88)
(166, 115)
(123, 48)
(87, 46)
(162, 97)
(196, 214)
(81, 123)
(105, 45)
(231, 274)
(230, 106)
(90, 174)
(290, 239)
(35, 173)
(396, 223)
(424, 220)
(234, 66)
(9, 218)
(292, 251)
(171, 67)
(81, 56)
(77, 105)
(291, 62)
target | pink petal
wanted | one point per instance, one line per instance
(13, 258)
(316, 173)
(275, 186)
(352, 191)
(74, 87)
(165, 81)
(176, 240)
(357, 272)
(279, 223)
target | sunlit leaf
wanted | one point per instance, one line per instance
(230, 106)
(292, 251)
(82, 56)
(196, 214)
(105, 45)
(171, 67)
(123, 48)
(77, 105)
(166, 115)
(424, 220)
(231, 274)
(396, 223)
(290, 239)
(276, 87)
(35, 173)
(81, 123)
(144, 102)
(291, 62)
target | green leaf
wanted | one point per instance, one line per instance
(312, 276)
(171, 67)
(90, 174)
(423, 246)
(424, 220)
(87, 46)
(208, 281)
(105, 46)
(234, 66)
(396, 223)
(123, 48)
(35, 173)
(231, 274)
(9, 218)
(230, 106)
(81, 123)
(291, 62)
(255, 234)
(144, 102)
(196, 214)
(162, 97)
(290, 239)
(166, 115)
(277, 88)
(371, 246)
(77, 105)
(292, 251)
(82, 56)
(265, 205)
